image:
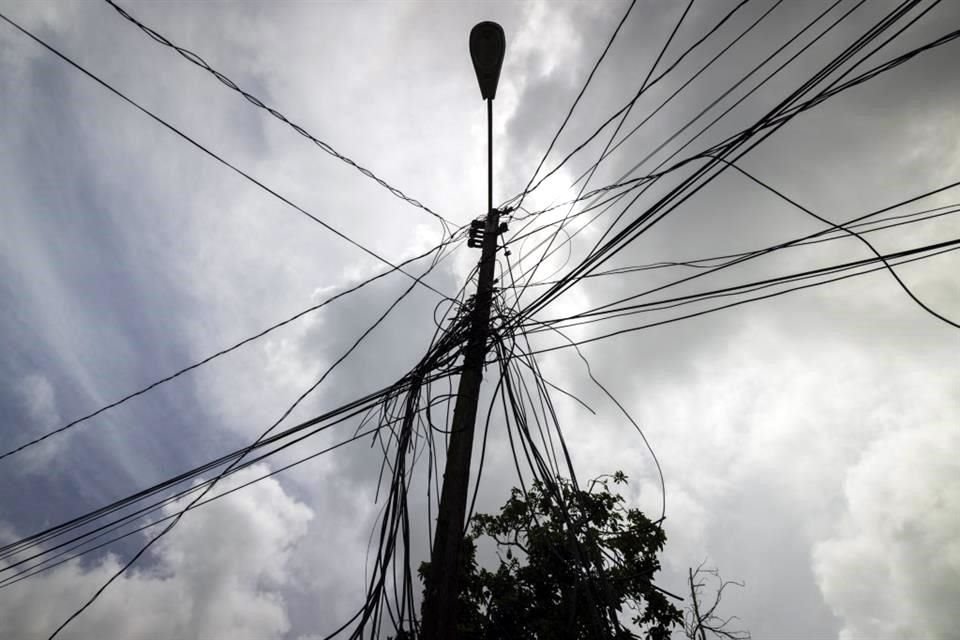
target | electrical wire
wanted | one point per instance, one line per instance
(855, 234)
(576, 101)
(197, 60)
(234, 463)
(713, 167)
(206, 360)
(211, 153)
(896, 258)
(608, 121)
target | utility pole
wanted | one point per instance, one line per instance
(487, 45)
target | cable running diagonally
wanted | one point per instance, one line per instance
(214, 155)
(200, 62)
(238, 460)
(643, 87)
(703, 175)
(576, 101)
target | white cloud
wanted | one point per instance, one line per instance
(39, 404)
(893, 569)
(219, 573)
(37, 395)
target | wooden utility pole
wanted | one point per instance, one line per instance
(487, 44)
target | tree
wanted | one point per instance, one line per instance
(571, 561)
(700, 620)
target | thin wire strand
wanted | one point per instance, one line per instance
(195, 59)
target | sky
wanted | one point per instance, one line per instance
(810, 443)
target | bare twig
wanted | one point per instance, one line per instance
(699, 622)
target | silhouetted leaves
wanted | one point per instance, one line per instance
(573, 564)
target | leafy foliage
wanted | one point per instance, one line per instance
(570, 562)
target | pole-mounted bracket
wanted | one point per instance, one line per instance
(478, 231)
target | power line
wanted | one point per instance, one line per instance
(609, 312)
(833, 233)
(210, 153)
(643, 87)
(237, 461)
(751, 255)
(211, 357)
(195, 59)
(679, 89)
(647, 181)
(856, 235)
(739, 82)
(768, 124)
(941, 248)
(630, 103)
(576, 100)
(341, 414)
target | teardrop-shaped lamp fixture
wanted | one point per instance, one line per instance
(487, 45)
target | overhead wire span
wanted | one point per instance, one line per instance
(713, 167)
(282, 441)
(751, 255)
(628, 105)
(73, 544)
(855, 234)
(883, 24)
(392, 267)
(197, 60)
(626, 113)
(832, 234)
(353, 408)
(212, 154)
(646, 181)
(234, 463)
(680, 89)
(576, 100)
(782, 47)
(206, 360)
(899, 257)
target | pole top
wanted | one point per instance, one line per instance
(487, 45)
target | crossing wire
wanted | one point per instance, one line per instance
(938, 249)
(392, 267)
(768, 124)
(643, 87)
(520, 196)
(210, 358)
(346, 354)
(576, 101)
(711, 262)
(212, 154)
(257, 102)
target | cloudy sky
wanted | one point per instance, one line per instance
(809, 442)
